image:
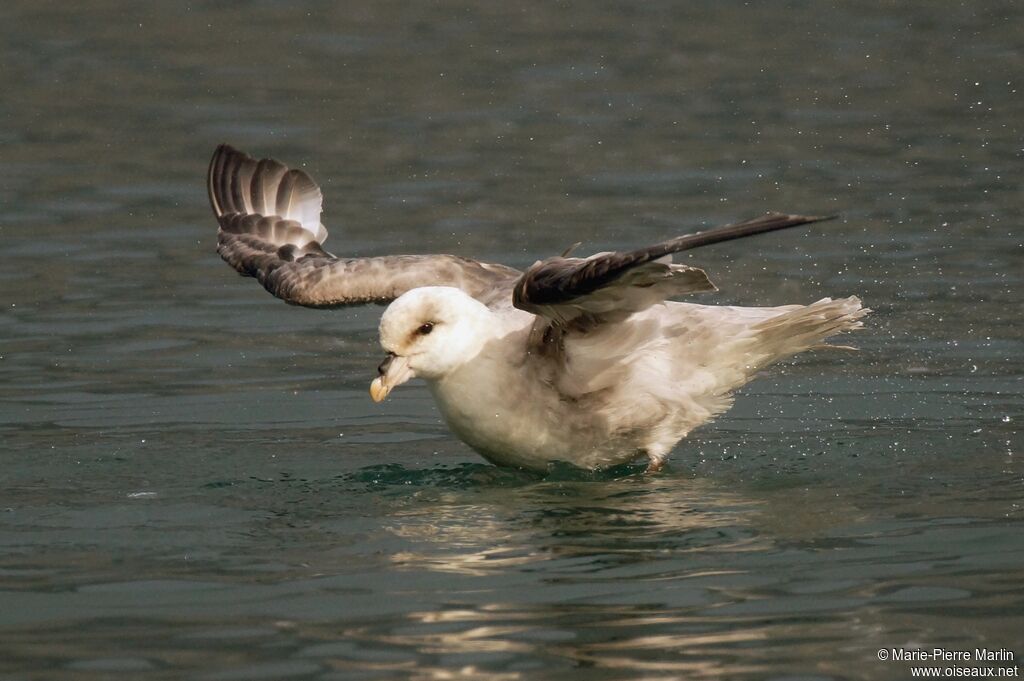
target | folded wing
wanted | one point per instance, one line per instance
(270, 228)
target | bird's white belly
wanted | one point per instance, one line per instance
(512, 423)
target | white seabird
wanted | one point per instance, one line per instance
(582, 360)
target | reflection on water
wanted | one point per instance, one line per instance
(572, 527)
(195, 484)
(494, 574)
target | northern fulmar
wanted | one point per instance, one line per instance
(581, 360)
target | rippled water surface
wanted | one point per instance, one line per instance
(195, 484)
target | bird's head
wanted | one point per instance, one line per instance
(427, 333)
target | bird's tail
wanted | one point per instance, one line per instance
(803, 328)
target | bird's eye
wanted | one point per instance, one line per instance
(425, 329)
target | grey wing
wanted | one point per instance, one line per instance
(270, 228)
(610, 286)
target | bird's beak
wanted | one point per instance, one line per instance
(394, 371)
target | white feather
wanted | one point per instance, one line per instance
(615, 393)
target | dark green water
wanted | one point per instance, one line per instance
(194, 483)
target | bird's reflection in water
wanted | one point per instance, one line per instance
(490, 641)
(576, 526)
(576, 551)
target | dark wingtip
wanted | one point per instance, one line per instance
(221, 155)
(808, 219)
(211, 183)
(794, 217)
(818, 218)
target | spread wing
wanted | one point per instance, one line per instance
(610, 286)
(270, 229)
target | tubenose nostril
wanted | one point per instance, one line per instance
(383, 367)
